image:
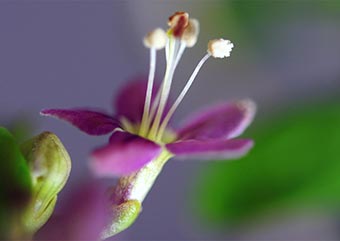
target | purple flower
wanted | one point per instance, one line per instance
(141, 139)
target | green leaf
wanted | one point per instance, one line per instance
(295, 162)
(15, 182)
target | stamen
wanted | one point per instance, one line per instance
(167, 50)
(127, 125)
(183, 33)
(145, 119)
(174, 52)
(178, 22)
(158, 96)
(180, 53)
(220, 48)
(191, 32)
(155, 104)
(181, 96)
(154, 40)
(217, 48)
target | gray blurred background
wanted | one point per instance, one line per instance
(78, 53)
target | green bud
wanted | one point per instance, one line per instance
(50, 166)
(124, 216)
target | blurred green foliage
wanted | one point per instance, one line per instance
(15, 182)
(249, 22)
(295, 163)
(250, 12)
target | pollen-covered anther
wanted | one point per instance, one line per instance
(220, 48)
(178, 23)
(191, 32)
(155, 39)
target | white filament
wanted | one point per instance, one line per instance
(145, 118)
(181, 95)
(179, 53)
(158, 96)
(174, 51)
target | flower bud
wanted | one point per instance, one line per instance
(50, 166)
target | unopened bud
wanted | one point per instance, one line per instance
(155, 39)
(178, 22)
(220, 48)
(50, 166)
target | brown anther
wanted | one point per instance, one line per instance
(178, 22)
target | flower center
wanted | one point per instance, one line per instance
(183, 33)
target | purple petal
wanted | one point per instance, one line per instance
(124, 154)
(131, 98)
(210, 149)
(82, 217)
(226, 120)
(91, 122)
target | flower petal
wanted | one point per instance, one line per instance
(91, 122)
(124, 154)
(226, 120)
(210, 149)
(131, 98)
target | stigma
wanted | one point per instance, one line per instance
(182, 33)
